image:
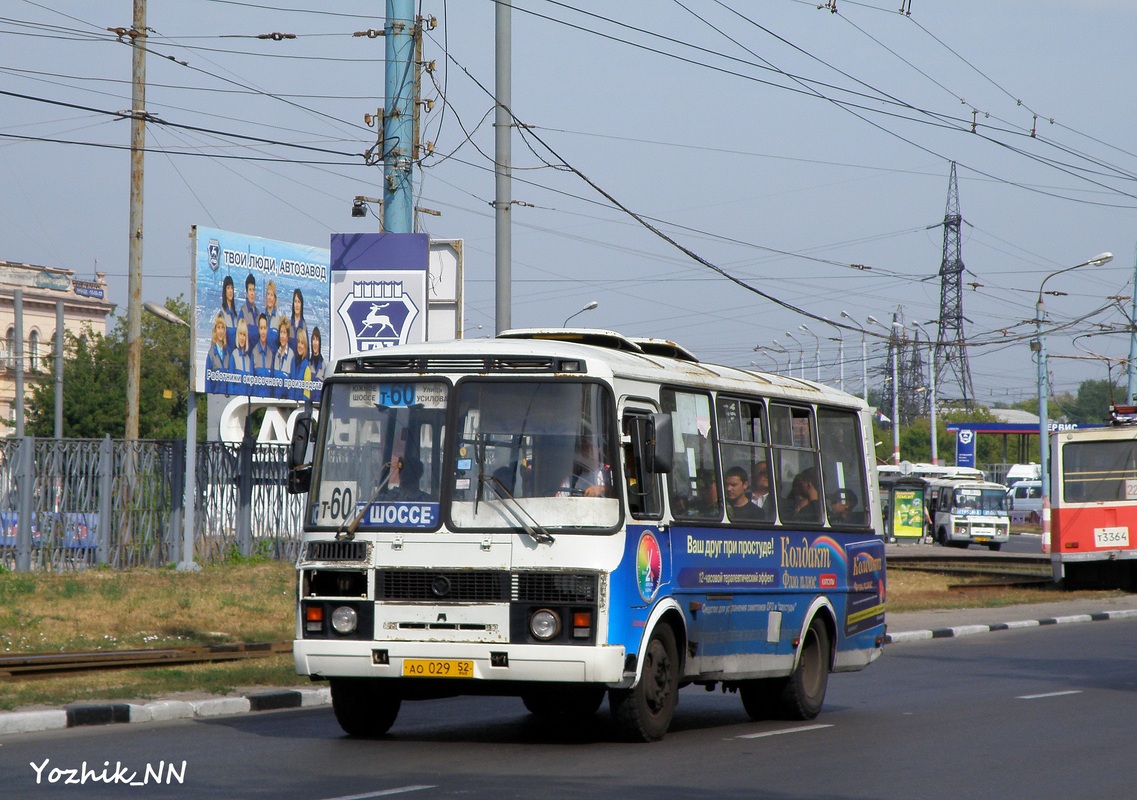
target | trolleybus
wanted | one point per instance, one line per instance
(1094, 504)
(565, 516)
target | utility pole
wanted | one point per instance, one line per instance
(503, 200)
(398, 118)
(1129, 370)
(134, 278)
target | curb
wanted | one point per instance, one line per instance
(160, 710)
(972, 630)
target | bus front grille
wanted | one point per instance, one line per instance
(447, 586)
(484, 586)
(336, 551)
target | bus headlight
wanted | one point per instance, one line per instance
(544, 624)
(345, 619)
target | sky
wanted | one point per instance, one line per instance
(717, 172)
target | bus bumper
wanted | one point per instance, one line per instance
(524, 663)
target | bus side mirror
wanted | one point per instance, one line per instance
(299, 469)
(660, 443)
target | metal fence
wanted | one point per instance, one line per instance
(103, 502)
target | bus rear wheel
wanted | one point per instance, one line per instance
(364, 707)
(643, 713)
(804, 692)
(801, 694)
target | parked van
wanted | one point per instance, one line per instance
(1022, 472)
(966, 512)
(1024, 502)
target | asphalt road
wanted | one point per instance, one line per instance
(1042, 712)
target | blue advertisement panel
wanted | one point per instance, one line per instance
(378, 290)
(747, 592)
(261, 315)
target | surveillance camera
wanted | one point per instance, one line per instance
(358, 209)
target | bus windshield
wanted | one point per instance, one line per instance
(979, 502)
(382, 455)
(534, 453)
(1099, 471)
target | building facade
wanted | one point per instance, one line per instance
(85, 311)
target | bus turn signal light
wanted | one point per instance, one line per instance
(313, 618)
(581, 624)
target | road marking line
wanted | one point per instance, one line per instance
(1048, 694)
(779, 733)
(383, 793)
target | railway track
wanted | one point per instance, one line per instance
(981, 569)
(54, 665)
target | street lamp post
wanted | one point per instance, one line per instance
(840, 353)
(189, 487)
(864, 357)
(816, 350)
(801, 356)
(1038, 345)
(932, 396)
(894, 338)
(789, 356)
(593, 304)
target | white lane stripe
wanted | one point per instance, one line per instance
(785, 730)
(383, 793)
(1048, 694)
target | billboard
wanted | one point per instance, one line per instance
(378, 291)
(261, 316)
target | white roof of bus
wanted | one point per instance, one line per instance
(629, 362)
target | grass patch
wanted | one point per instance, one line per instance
(928, 591)
(252, 601)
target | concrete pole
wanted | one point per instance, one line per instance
(59, 343)
(503, 200)
(398, 119)
(1129, 369)
(18, 357)
(134, 276)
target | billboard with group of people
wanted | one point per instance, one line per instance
(261, 316)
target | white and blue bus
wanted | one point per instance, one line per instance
(567, 515)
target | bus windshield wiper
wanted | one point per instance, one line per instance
(524, 518)
(346, 532)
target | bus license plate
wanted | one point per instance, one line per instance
(437, 668)
(1111, 537)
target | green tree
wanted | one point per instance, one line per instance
(1091, 404)
(94, 382)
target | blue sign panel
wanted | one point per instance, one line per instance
(965, 448)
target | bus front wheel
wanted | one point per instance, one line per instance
(363, 707)
(643, 713)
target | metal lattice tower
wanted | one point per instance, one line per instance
(951, 344)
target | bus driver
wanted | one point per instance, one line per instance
(590, 477)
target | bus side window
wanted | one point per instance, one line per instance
(846, 497)
(644, 496)
(693, 482)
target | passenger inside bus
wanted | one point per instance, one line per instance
(841, 505)
(803, 504)
(760, 490)
(738, 505)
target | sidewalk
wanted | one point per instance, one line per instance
(906, 627)
(943, 623)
